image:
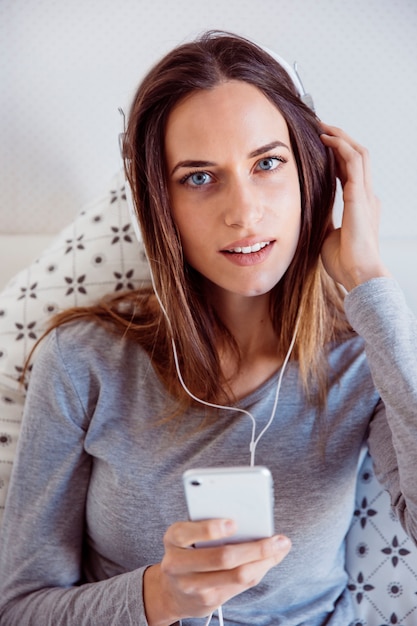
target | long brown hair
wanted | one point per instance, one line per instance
(305, 291)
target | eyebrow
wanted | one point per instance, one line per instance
(261, 150)
(190, 163)
(268, 147)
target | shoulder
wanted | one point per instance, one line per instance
(87, 365)
(87, 336)
(84, 348)
(82, 337)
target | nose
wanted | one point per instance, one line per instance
(242, 204)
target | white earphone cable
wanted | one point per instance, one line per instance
(219, 615)
(253, 441)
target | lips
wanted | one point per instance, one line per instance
(248, 252)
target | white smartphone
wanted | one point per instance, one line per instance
(244, 494)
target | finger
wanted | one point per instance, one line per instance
(186, 534)
(345, 139)
(354, 171)
(227, 557)
(213, 588)
(339, 133)
(335, 131)
(350, 161)
(232, 556)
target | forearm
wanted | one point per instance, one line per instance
(379, 314)
(115, 601)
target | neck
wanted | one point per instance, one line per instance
(249, 321)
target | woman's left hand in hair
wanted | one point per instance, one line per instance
(350, 253)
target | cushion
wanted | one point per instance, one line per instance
(381, 559)
(98, 253)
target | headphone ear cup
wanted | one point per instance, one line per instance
(132, 212)
(308, 101)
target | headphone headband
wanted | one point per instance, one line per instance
(294, 75)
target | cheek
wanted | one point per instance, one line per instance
(293, 212)
(184, 210)
(192, 234)
(194, 218)
(294, 228)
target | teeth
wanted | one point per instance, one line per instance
(248, 249)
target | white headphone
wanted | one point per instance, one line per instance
(292, 71)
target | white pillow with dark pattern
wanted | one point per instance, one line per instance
(98, 253)
(381, 559)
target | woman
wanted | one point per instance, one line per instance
(233, 180)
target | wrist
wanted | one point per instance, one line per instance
(359, 276)
(156, 600)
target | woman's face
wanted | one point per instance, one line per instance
(233, 187)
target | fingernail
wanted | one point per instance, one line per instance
(281, 542)
(229, 526)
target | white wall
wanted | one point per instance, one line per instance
(66, 67)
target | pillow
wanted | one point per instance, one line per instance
(98, 253)
(381, 560)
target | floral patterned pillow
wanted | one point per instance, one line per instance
(381, 560)
(98, 253)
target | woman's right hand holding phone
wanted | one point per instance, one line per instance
(195, 582)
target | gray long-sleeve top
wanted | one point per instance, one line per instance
(98, 476)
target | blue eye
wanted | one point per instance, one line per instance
(198, 179)
(269, 163)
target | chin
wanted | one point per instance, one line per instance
(253, 290)
(249, 287)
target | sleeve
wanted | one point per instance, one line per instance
(378, 312)
(42, 535)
